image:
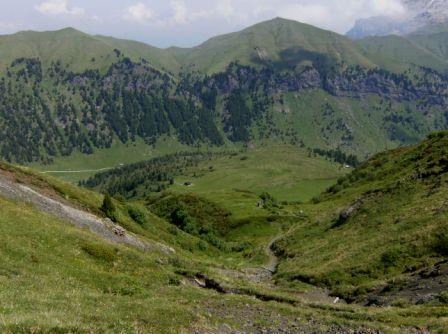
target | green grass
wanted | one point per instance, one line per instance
(275, 37)
(113, 157)
(236, 181)
(361, 119)
(394, 227)
(423, 50)
(57, 278)
(79, 51)
(75, 290)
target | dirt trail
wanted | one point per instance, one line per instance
(316, 295)
(105, 228)
(76, 171)
(272, 264)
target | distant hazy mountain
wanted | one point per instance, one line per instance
(422, 15)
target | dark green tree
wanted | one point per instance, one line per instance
(108, 207)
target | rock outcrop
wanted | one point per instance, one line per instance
(420, 14)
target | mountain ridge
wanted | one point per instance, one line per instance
(86, 93)
(173, 58)
(211, 56)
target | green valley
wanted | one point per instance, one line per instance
(219, 243)
(278, 179)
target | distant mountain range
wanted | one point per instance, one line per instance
(65, 91)
(421, 16)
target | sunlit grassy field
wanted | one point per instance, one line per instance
(285, 171)
(57, 278)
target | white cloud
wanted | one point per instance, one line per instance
(338, 15)
(391, 8)
(181, 14)
(180, 11)
(7, 27)
(97, 18)
(312, 13)
(225, 9)
(138, 13)
(58, 7)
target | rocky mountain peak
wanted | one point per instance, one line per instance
(420, 14)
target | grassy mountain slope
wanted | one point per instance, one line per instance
(159, 58)
(279, 41)
(375, 235)
(363, 126)
(304, 85)
(76, 49)
(59, 278)
(427, 50)
(437, 43)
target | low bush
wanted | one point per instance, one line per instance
(391, 257)
(138, 214)
(102, 252)
(441, 242)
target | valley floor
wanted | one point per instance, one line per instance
(142, 274)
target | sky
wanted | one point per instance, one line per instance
(182, 22)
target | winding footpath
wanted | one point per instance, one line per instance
(273, 262)
(315, 295)
(76, 171)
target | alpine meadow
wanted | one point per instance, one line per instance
(282, 178)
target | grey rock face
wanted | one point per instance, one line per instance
(420, 14)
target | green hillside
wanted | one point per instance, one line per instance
(203, 267)
(159, 58)
(374, 235)
(280, 42)
(235, 180)
(437, 43)
(77, 97)
(419, 50)
(77, 50)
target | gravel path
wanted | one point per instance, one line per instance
(76, 171)
(103, 227)
(273, 259)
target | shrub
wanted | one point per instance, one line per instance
(174, 280)
(269, 201)
(335, 188)
(390, 257)
(180, 218)
(316, 200)
(443, 297)
(441, 243)
(202, 245)
(99, 251)
(173, 230)
(138, 214)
